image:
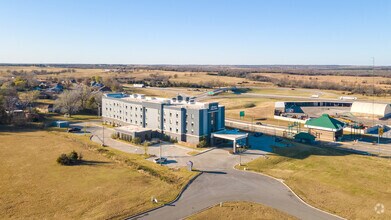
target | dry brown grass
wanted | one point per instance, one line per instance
(241, 210)
(362, 80)
(345, 184)
(34, 186)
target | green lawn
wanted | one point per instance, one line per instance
(344, 184)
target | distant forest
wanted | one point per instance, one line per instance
(238, 70)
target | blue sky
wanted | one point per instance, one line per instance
(196, 32)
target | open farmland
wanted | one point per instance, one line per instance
(331, 180)
(34, 186)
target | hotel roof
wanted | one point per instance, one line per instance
(174, 102)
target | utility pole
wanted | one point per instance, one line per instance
(160, 152)
(373, 91)
(103, 125)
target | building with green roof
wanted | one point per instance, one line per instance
(325, 128)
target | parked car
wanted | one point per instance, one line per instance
(72, 130)
(278, 139)
(258, 123)
(258, 134)
(160, 160)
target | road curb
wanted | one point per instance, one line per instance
(139, 215)
(282, 181)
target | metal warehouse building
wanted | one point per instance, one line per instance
(368, 108)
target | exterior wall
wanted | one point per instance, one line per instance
(322, 134)
(153, 116)
(143, 135)
(173, 121)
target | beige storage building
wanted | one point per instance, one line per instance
(370, 108)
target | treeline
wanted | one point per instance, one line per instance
(159, 80)
(38, 72)
(351, 87)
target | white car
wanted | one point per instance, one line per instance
(160, 160)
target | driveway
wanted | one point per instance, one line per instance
(219, 182)
(212, 188)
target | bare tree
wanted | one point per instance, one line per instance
(84, 93)
(27, 98)
(68, 102)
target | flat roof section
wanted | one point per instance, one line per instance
(131, 129)
(232, 135)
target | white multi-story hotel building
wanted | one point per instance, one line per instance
(180, 118)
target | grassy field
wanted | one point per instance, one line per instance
(347, 185)
(74, 118)
(163, 92)
(263, 110)
(241, 210)
(361, 80)
(108, 184)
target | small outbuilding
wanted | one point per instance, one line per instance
(130, 132)
(325, 128)
(61, 124)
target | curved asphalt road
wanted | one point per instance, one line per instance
(221, 183)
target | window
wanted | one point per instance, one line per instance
(177, 130)
(170, 114)
(192, 116)
(176, 115)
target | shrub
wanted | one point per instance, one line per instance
(173, 140)
(136, 140)
(203, 143)
(114, 135)
(249, 105)
(71, 158)
(63, 160)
